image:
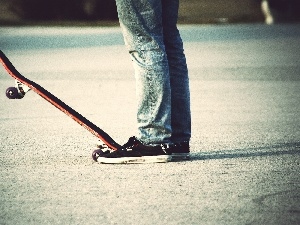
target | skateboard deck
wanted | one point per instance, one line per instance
(23, 85)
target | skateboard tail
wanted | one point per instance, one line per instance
(91, 127)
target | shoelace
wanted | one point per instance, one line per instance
(132, 142)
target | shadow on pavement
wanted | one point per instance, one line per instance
(279, 149)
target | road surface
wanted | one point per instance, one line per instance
(245, 91)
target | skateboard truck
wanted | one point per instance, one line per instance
(18, 91)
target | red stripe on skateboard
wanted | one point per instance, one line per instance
(91, 127)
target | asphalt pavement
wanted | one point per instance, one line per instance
(245, 146)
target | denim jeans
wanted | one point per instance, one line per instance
(162, 85)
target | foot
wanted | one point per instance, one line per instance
(179, 151)
(134, 152)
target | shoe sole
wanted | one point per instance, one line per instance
(135, 160)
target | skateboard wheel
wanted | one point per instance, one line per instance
(12, 93)
(98, 153)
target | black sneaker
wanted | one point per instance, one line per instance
(103, 149)
(180, 151)
(134, 152)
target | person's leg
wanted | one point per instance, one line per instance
(143, 30)
(141, 22)
(180, 93)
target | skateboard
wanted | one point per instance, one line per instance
(23, 85)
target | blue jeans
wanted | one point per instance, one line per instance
(162, 84)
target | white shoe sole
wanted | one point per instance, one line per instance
(136, 160)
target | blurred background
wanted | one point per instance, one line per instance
(66, 12)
